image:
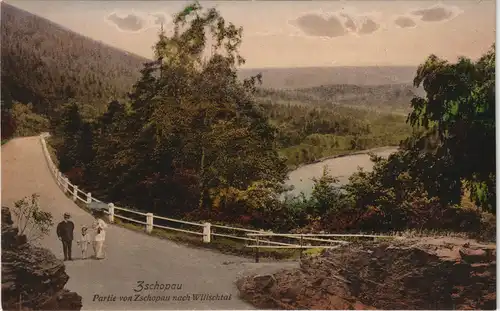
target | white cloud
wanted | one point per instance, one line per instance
(136, 21)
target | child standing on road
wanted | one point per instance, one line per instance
(84, 242)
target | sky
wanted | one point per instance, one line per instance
(299, 33)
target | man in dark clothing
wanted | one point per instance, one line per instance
(65, 234)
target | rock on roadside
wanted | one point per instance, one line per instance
(382, 276)
(32, 277)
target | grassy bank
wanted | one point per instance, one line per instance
(51, 150)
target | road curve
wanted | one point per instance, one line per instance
(131, 256)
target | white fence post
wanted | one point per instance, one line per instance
(75, 193)
(257, 255)
(59, 178)
(206, 232)
(111, 211)
(66, 184)
(89, 198)
(149, 222)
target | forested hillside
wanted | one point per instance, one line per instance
(45, 64)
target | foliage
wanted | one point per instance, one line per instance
(8, 125)
(458, 115)
(8, 122)
(450, 152)
(27, 122)
(69, 128)
(189, 131)
(325, 194)
(313, 252)
(390, 199)
(30, 219)
(259, 202)
(307, 134)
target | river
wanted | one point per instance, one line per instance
(340, 167)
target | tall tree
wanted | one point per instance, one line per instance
(458, 114)
(69, 128)
(193, 127)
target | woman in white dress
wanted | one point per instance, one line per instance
(100, 235)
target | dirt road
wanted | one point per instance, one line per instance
(131, 257)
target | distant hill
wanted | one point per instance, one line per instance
(47, 64)
(291, 78)
(389, 97)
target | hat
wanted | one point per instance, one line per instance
(66, 215)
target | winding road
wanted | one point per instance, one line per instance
(131, 257)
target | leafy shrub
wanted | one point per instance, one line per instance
(75, 175)
(8, 125)
(32, 222)
(28, 123)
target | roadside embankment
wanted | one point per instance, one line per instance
(428, 273)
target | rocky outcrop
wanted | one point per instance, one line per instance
(32, 277)
(425, 274)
